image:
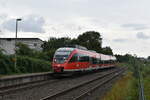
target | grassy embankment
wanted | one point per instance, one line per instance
(127, 87)
(123, 89)
(146, 78)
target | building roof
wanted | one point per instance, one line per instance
(21, 39)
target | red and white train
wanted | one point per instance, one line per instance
(78, 58)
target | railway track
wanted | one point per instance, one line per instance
(59, 89)
(82, 89)
(11, 89)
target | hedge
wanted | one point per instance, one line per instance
(24, 65)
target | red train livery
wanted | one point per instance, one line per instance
(72, 59)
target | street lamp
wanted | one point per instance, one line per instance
(17, 25)
(19, 19)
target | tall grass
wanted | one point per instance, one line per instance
(123, 89)
(147, 88)
(128, 87)
(146, 80)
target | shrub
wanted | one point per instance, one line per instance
(28, 64)
(24, 50)
(24, 65)
(6, 65)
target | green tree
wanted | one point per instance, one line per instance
(148, 57)
(124, 58)
(50, 46)
(23, 49)
(107, 50)
(55, 43)
(91, 39)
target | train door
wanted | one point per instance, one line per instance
(90, 66)
(83, 61)
(73, 62)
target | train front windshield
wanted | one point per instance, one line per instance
(61, 56)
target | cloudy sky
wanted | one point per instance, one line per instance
(123, 24)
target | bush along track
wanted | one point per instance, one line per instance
(24, 65)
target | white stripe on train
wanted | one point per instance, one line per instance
(90, 68)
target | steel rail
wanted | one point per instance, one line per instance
(60, 93)
(97, 86)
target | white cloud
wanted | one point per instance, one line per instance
(30, 23)
(142, 35)
(120, 40)
(73, 17)
(136, 26)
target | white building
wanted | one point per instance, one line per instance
(8, 44)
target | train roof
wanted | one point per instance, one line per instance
(76, 46)
(91, 52)
(65, 49)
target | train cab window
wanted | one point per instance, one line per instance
(74, 58)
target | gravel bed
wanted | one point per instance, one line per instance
(76, 92)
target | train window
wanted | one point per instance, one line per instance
(83, 58)
(111, 61)
(94, 60)
(100, 61)
(104, 62)
(107, 62)
(74, 58)
(97, 61)
(61, 56)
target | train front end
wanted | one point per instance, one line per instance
(60, 59)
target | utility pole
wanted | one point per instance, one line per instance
(16, 41)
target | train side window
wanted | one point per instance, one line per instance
(97, 61)
(111, 61)
(94, 60)
(100, 61)
(74, 58)
(86, 58)
(83, 58)
(105, 62)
